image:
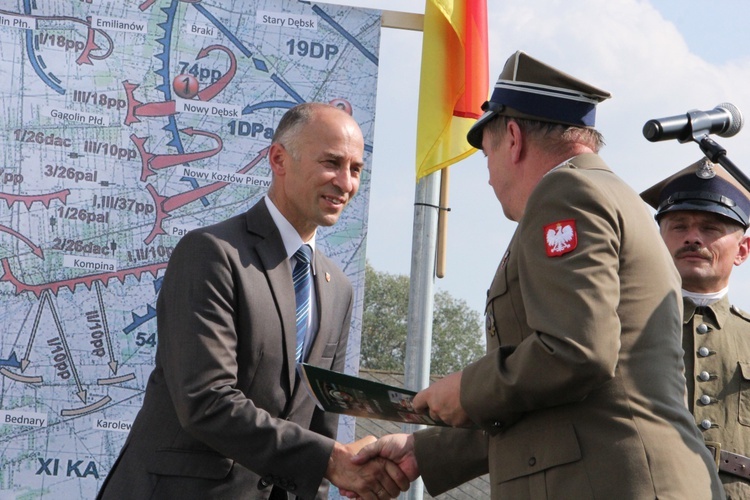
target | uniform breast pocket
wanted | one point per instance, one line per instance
(505, 315)
(498, 288)
(743, 413)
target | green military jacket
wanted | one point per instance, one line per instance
(716, 340)
(581, 394)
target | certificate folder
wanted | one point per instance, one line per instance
(340, 393)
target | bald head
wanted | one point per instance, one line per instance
(295, 120)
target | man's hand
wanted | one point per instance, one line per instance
(396, 448)
(443, 401)
(375, 479)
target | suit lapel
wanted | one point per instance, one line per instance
(325, 295)
(273, 256)
(279, 272)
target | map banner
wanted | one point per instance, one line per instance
(124, 125)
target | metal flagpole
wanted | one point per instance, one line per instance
(425, 265)
(422, 276)
(421, 297)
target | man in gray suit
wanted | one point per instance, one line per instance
(225, 415)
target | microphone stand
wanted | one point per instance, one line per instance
(718, 154)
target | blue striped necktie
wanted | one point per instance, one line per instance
(302, 278)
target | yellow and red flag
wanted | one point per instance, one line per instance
(454, 81)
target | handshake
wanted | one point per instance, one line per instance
(382, 468)
(374, 468)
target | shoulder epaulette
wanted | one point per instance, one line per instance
(739, 312)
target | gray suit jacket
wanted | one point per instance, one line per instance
(224, 415)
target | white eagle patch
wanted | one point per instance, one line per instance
(560, 237)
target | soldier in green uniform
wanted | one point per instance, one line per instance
(703, 215)
(581, 394)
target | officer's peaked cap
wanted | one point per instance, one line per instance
(528, 88)
(703, 187)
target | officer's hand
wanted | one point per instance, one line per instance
(442, 400)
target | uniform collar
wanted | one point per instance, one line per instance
(718, 311)
(559, 166)
(704, 299)
(584, 161)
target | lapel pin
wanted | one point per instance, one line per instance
(328, 277)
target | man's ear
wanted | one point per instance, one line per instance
(514, 135)
(743, 251)
(278, 158)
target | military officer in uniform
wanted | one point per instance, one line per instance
(703, 216)
(581, 392)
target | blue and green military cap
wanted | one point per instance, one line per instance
(528, 88)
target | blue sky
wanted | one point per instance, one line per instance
(657, 58)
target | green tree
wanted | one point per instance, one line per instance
(457, 333)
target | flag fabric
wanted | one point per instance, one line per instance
(454, 81)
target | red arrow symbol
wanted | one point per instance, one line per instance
(28, 200)
(88, 281)
(212, 90)
(138, 109)
(163, 161)
(91, 45)
(34, 248)
(165, 205)
(151, 162)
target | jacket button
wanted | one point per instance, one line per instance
(532, 462)
(704, 376)
(706, 424)
(497, 424)
(706, 400)
(703, 328)
(703, 352)
(264, 482)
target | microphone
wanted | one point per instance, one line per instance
(724, 120)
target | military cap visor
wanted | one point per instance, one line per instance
(698, 202)
(491, 110)
(528, 88)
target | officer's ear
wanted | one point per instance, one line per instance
(516, 137)
(743, 251)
